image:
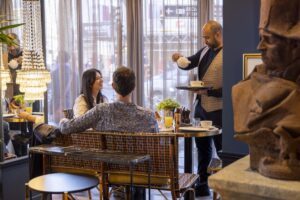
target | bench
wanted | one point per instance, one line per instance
(163, 149)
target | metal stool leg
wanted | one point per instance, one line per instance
(65, 196)
(90, 194)
(26, 191)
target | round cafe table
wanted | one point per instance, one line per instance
(188, 133)
(61, 183)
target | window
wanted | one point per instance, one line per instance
(169, 26)
(81, 35)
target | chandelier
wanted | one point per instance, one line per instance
(4, 73)
(33, 77)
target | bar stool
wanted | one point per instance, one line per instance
(60, 183)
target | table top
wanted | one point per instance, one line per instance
(62, 182)
(192, 133)
(238, 178)
(12, 118)
(193, 88)
(107, 156)
(15, 119)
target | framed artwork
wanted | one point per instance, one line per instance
(250, 60)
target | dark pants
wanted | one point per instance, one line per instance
(6, 132)
(204, 145)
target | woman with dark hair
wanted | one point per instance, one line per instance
(90, 94)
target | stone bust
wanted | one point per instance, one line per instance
(266, 105)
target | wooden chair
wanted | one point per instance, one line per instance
(76, 165)
(163, 149)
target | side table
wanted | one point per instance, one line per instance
(60, 183)
(105, 156)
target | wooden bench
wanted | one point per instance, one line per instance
(163, 149)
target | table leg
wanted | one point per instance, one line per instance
(26, 191)
(65, 196)
(188, 155)
(131, 182)
(188, 160)
(149, 179)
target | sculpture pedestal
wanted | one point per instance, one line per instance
(237, 181)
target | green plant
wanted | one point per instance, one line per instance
(19, 99)
(167, 104)
(4, 38)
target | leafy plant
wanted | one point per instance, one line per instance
(4, 38)
(167, 104)
(19, 99)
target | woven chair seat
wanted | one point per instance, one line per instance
(214, 166)
(187, 180)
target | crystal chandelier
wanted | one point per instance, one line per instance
(33, 77)
(4, 73)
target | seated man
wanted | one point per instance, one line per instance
(121, 115)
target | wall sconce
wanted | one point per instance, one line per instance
(33, 77)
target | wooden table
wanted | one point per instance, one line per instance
(105, 156)
(188, 145)
(61, 183)
(26, 129)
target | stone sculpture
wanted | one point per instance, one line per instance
(266, 104)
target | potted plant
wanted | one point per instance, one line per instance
(4, 38)
(168, 105)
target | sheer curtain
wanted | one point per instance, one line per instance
(169, 26)
(82, 34)
(62, 42)
(104, 38)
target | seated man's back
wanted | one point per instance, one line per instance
(120, 116)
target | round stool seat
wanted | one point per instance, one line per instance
(62, 182)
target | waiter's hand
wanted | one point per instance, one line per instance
(201, 92)
(176, 56)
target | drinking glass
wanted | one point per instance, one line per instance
(196, 122)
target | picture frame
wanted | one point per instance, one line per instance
(250, 60)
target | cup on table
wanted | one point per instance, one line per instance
(206, 123)
(196, 122)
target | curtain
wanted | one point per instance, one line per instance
(169, 27)
(62, 56)
(135, 46)
(82, 34)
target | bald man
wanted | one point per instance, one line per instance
(208, 104)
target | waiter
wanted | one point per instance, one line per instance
(208, 104)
